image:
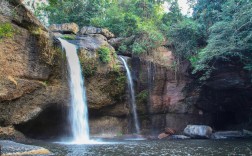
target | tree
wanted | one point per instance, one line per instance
(230, 37)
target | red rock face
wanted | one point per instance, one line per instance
(164, 90)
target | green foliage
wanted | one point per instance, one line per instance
(124, 18)
(149, 38)
(6, 30)
(174, 16)
(142, 97)
(104, 54)
(230, 37)
(185, 38)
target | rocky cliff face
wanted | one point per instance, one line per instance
(169, 99)
(161, 97)
(30, 74)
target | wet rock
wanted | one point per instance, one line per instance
(13, 148)
(66, 28)
(247, 133)
(182, 137)
(163, 135)
(231, 134)
(198, 131)
(107, 126)
(169, 131)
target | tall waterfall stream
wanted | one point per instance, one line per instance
(79, 111)
(132, 96)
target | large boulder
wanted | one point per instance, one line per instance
(198, 131)
(66, 28)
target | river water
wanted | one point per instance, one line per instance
(155, 148)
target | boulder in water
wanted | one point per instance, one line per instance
(66, 28)
(198, 131)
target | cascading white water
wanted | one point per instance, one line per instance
(132, 95)
(79, 111)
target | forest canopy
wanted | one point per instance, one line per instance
(217, 29)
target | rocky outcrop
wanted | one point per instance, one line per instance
(108, 126)
(66, 28)
(198, 131)
(87, 30)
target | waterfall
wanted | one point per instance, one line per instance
(132, 95)
(79, 112)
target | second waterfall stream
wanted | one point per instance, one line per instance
(79, 111)
(132, 96)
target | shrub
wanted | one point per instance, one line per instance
(149, 38)
(104, 54)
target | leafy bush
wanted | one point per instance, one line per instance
(184, 38)
(104, 54)
(149, 38)
(6, 30)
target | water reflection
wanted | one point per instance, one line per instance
(155, 148)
